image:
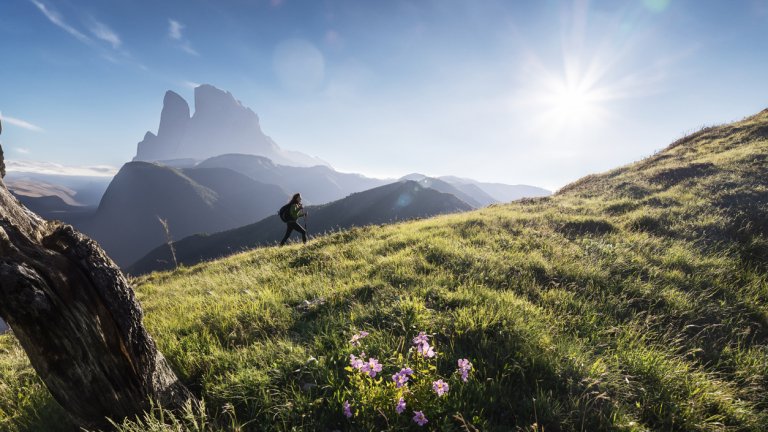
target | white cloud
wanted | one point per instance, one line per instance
(20, 123)
(58, 20)
(174, 31)
(190, 84)
(101, 31)
(22, 150)
(58, 169)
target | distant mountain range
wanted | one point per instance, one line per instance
(220, 124)
(233, 190)
(73, 190)
(317, 184)
(482, 193)
(393, 202)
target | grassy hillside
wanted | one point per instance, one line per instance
(632, 300)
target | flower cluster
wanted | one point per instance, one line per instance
(421, 342)
(401, 378)
(424, 373)
(370, 367)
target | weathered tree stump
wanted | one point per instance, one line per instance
(78, 320)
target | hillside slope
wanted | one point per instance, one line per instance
(384, 204)
(633, 300)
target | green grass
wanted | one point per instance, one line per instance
(632, 300)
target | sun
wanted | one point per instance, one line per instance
(567, 103)
(573, 104)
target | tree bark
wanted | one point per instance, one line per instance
(78, 320)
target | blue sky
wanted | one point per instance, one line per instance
(538, 92)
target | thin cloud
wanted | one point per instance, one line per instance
(174, 29)
(175, 32)
(22, 150)
(20, 123)
(101, 31)
(58, 20)
(190, 84)
(23, 166)
(187, 48)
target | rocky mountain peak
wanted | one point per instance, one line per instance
(174, 117)
(211, 99)
(220, 125)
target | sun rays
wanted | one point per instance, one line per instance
(578, 90)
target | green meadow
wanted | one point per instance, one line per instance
(633, 300)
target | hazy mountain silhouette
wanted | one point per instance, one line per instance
(389, 203)
(498, 191)
(317, 184)
(3, 327)
(475, 193)
(475, 198)
(192, 201)
(220, 124)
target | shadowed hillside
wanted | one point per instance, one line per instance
(53, 207)
(385, 204)
(633, 300)
(476, 199)
(191, 200)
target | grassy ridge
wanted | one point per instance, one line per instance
(632, 300)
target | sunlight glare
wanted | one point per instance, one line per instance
(566, 104)
(573, 103)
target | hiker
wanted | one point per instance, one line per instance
(290, 214)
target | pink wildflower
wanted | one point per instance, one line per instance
(426, 350)
(355, 341)
(401, 378)
(422, 338)
(371, 367)
(419, 418)
(356, 363)
(440, 387)
(400, 406)
(464, 367)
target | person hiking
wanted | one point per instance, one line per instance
(290, 214)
